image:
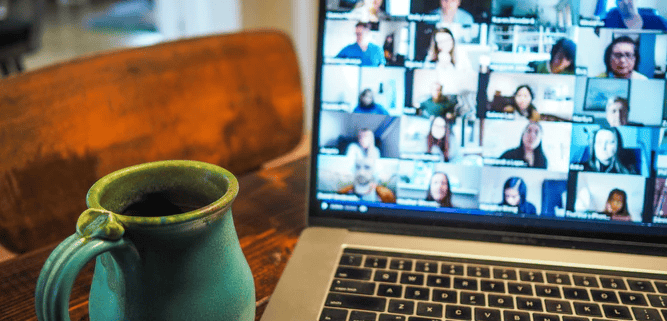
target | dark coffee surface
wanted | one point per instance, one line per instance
(166, 203)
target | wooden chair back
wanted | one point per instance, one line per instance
(234, 100)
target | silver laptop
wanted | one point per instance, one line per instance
(485, 160)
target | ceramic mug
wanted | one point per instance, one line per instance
(165, 248)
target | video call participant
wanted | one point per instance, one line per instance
(365, 145)
(530, 148)
(622, 59)
(608, 155)
(616, 112)
(367, 104)
(453, 69)
(522, 105)
(450, 12)
(438, 104)
(627, 15)
(439, 190)
(369, 53)
(514, 194)
(437, 140)
(365, 185)
(563, 55)
(368, 11)
(617, 206)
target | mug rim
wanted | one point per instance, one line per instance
(219, 205)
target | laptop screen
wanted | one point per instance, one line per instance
(505, 114)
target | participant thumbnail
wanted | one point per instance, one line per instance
(613, 197)
(522, 191)
(624, 14)
(464, 12)
(372, 11)
(357, 135)
(451, 99)
(521, 143)
(659, 210)
(363, 179)
(438, 184)
(619, 102)
(387, 86)
(615, 53)
(613, 150)
(340, 87)
(530, 96)
(354, 42)
(439, 140)
(546, 13)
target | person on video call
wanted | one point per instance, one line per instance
(563, 55)
(439, 190)
(622, 59)
(453, 69)
(616, 112)
(514, 194)
(437, 140)
(608, 154)
(438, 104)
(369, 53)
(368, 11)
(365, 145)
(365, 185)
(522, 104)
(627, 15)
(450, 12)
(530, 147)
(367, 104)
(617, 206)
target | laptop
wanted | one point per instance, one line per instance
(485, 160)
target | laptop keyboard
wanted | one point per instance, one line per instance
(385, 286)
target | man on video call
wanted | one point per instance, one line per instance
(365, 185)
(627, 14)
(369, 53)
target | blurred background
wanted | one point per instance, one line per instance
(38, 33)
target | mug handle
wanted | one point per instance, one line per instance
(97, 232)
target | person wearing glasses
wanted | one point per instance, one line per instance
(622, 59)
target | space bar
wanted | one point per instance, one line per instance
(356, 302)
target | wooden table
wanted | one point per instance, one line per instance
(268, 214)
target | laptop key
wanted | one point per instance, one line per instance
(504, 273)
(429, 309)
(351, 260)
(355, 287)
(520, 288)
(587, 309)
(386, 276)
(531, 276)
(659, 301)
(661, 286)
(438, 281)
(451, 269)
(516, 316)
(392, 317)
(329, 314)
(483, 314)
(444, 296)
(362, 316)
(479, 271)
(632, 298)
(390, 290)
(401, 306)
(492, 286)
(545, 317)
(604, 296)
(646, 314)
(617, 312)
(353, 273)
(412, 279)
(423, 319)
(557, 278)
(558, 306)
(357, 302)
(457, 312)
(401, 264)
(416, 293)
(576, 294)
(612, 283)
(571, 318)
(465, 284)
(472, 298)
(376, 262)
(641, 286)
(547, 291)
(501, 301)
(428, 267)
(584, 280)
(530, 304)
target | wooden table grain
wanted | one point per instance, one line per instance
(269, 215)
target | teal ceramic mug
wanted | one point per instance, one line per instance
(165, 248)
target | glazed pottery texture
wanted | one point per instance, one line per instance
(165, 246)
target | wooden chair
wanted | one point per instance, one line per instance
(233, 100)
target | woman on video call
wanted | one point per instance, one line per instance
(453, 69)
(437, 139)
(608, 154)
(522, 104)
(514, 194)
(617, 206)
(530, 147)
(439, 190)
